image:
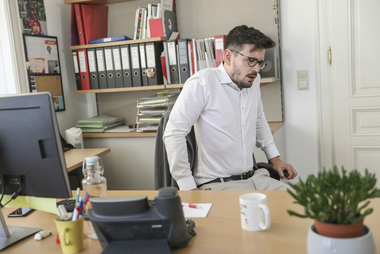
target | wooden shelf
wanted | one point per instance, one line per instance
(274, 126)
(132, 134)
(117, 43)
(123, 89)
(95, 1)
(146, 88)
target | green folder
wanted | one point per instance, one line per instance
(100, 120)
(102, 129)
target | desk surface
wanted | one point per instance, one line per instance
(220, 232)
(74, 157)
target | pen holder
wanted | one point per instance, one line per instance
(70, 235)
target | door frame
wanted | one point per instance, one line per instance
(325, 130)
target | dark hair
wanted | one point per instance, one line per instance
(30, 5)
(243, 34)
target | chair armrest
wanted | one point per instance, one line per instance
(273, 173)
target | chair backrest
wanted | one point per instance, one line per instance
(162, 176)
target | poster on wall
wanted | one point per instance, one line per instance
(33, 16)
(44, 74)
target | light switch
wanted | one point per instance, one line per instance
(303, 79)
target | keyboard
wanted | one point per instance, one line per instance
(69, 204)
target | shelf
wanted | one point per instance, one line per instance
(274, 126)
(122, 89)
(95, 1)
(132, 134)
(267, 80)
(146, 88)
(117, 43)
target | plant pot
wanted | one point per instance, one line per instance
(317, 244)
(339, 231)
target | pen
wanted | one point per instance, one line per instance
(77, 199)
(191, 205)
(81, 205)
(86, 199)
(76, 213)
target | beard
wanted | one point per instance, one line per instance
(240, 82)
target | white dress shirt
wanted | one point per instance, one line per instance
(228, 123)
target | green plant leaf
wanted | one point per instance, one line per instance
(335, 196)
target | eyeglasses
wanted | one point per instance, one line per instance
(252, 61)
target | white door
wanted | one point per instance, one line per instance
(355, 84)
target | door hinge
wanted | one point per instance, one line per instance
(330, 56)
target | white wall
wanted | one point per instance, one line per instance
(77, 105)
(299, 51)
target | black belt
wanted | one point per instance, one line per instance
(242, 176)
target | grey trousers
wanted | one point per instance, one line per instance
(259, 181)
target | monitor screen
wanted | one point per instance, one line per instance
(30, 147)
(31, 157)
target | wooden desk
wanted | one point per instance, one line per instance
(220, 232)
(74, 157)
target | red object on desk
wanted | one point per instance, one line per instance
(57, 239)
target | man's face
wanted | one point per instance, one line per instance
(242, 74)
(32, 12)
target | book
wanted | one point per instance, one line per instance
(102, 129)
(110, 39)
(137, 25)
(96, 125)
(100, 119)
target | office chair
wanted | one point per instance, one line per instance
(162, 176)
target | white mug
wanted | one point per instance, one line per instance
(254, 212)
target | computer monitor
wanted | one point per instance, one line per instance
(31, 156)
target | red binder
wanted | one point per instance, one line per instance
(164, 71)
(73, 28)
(79, 21)
(155, 26)
(219, 48)
(83, 69)
(95, 21)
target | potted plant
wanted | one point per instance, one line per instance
(337, 202)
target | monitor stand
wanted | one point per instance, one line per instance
(10, 235)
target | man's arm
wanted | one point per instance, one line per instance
(184, 114)
(265, 142)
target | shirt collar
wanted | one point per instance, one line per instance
(224, 78)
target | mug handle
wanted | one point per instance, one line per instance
(65, 241)
(266, 216)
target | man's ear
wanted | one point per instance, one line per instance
(227, 55)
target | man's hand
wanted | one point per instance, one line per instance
(280, 166)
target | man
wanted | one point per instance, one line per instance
(32, 12)
(225, 107)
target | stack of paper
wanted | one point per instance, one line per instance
(151, 109)
(99, 123)
(162, 101)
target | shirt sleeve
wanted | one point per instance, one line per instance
(184, 114)
(264, 137)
